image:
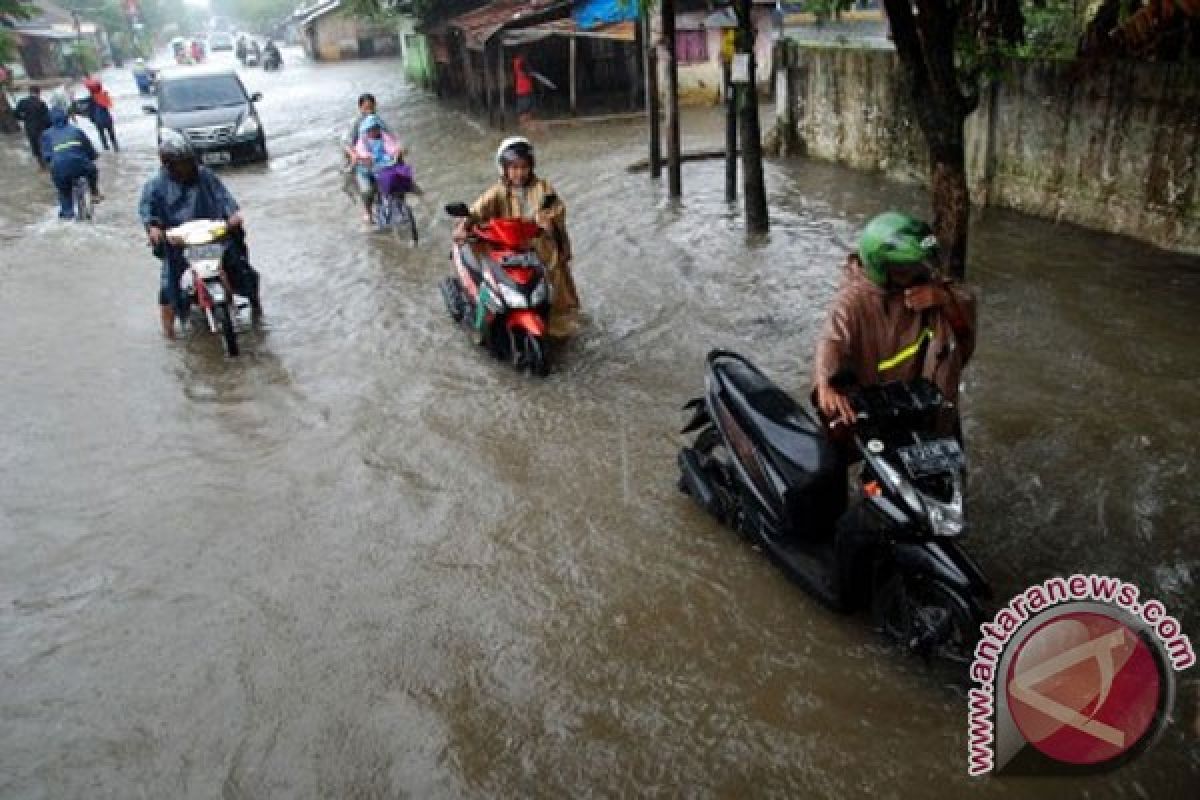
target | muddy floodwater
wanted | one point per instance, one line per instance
(362, 561)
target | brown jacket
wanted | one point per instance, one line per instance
(553, 247)
(870, 330)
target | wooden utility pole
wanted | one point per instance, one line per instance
(574, 76)
(753, 185)
(674, 171)
(731, 130)
(650, 67)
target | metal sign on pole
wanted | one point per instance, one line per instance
(741, 68)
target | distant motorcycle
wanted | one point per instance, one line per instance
(207, 285)
(767, 467)
(499, 291)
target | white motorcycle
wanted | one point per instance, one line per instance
(204, 285)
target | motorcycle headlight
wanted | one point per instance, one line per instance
(248, 126)
(511, 297)
(946, 518)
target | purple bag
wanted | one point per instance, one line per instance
(396, 179)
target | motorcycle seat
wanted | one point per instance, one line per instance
(791, 438)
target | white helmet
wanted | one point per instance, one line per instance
(512, 148)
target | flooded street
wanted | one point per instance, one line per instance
(364, 561)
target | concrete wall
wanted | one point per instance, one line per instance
(1114, 147)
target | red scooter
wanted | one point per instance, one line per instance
(499, 292)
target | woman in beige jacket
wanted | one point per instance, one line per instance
(521, 193)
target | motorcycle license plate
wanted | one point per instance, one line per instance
(218, 157)
(931, 458)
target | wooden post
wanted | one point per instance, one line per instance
(632, 62)
(753, 187)
(501, 66)
(674, 171)
(650, 68)
(487, 84)
(731, 123)
(574, 75)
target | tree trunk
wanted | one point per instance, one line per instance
(951, 209)
(925, 44)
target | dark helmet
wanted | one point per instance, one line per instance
(174, 146)
(512, 149)
(895, 238)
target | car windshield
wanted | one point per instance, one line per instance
(201, 92)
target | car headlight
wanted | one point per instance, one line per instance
(248, 126)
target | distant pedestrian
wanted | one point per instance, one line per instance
(523, 85)
(33, 112)
(100, 113)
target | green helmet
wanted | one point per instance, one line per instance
(894, 238)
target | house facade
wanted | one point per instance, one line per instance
(698, 38)
(329, 32)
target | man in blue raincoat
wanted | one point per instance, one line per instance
(182, 191)
(70, 154)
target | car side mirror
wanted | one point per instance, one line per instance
(458, 210)
(150, 109)
(257, 96)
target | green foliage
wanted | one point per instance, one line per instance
(1053, 28)
(11, 10)
(827, 9)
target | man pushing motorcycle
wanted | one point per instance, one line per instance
(520, 193)
(182, 191)
(894, 318)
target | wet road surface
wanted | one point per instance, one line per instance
(362, 561)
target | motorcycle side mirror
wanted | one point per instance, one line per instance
(256, 97)
(458, 210)
(549, 201)
(149, 109)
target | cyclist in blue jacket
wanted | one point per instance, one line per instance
(70, 154)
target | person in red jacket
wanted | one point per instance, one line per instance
(523, 86)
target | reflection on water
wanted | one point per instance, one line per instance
(362, 560)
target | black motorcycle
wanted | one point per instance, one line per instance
(769, 468)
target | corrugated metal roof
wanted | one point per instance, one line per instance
(480, 25)
(314, 13)
(618, 31)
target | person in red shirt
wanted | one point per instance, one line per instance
(523, 84)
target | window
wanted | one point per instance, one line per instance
(200, 92)
(691, 47)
